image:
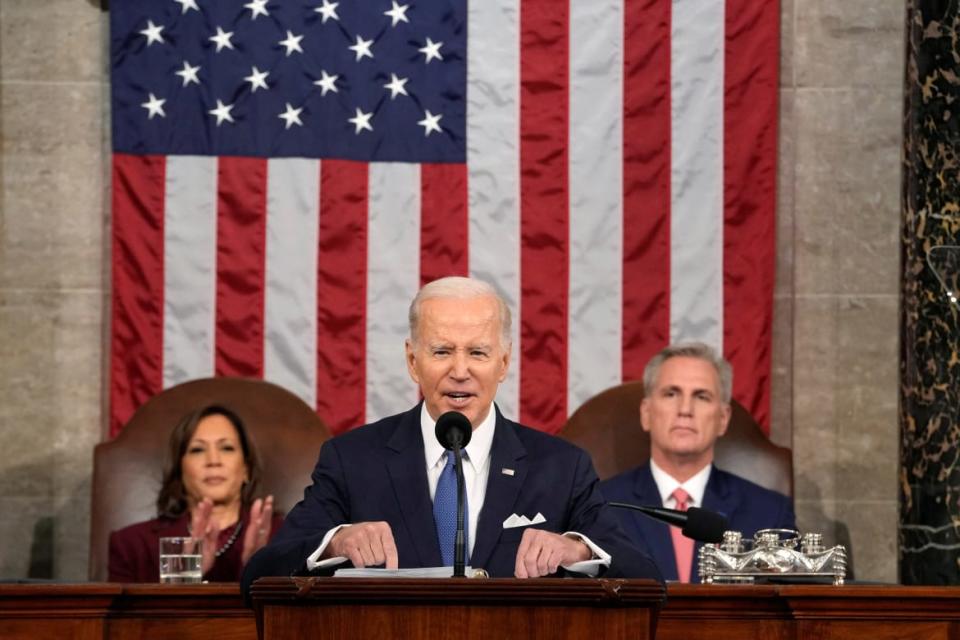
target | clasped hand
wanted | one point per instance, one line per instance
(541, 553)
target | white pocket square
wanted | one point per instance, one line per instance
(522, 521)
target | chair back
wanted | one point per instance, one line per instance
(127, 470)
(608, 427)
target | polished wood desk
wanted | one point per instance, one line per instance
(96, 611)
(744, 612)
(115, 611)
(471, 609)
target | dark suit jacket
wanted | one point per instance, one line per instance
(135, 550)
(747, 506)
(378, 472)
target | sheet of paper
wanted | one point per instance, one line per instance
(425, 572)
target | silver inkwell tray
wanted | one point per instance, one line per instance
(773, 555)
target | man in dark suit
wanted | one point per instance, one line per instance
(686, 407)
(533, 504)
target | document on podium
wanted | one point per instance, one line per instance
(424, 572)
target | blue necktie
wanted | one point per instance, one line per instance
(445, 511)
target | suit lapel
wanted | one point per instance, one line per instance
(655, 534)
(408, 473)
(506, 452)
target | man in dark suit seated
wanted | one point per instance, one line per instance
(533, 504)
(686, 407)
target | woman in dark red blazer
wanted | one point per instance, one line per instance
(209, 483)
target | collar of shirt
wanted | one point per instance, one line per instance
(695, 487)
(478, 449)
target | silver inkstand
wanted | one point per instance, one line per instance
(773, 555)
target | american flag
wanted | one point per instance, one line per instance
(287, 173)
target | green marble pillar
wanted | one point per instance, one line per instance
(930, 319)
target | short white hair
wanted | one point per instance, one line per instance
(697, 350)
(460, 288)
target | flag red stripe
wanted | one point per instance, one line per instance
(136, 348)
(646, 183)
(342, 294)
(544, 222)
(750, 176)
(241, 249)
(443, 221)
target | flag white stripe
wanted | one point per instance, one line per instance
(393, 278)
(189, 268)
(290, 297)
(493, 156)
(696, 221)
(596, 207)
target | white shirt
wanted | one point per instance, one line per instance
(695, 486)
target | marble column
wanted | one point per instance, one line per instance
(930, 331)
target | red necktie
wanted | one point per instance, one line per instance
(682, 545)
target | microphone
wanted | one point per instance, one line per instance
(453, 431)
(699, 524)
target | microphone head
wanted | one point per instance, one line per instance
(704, 525)
(453, 430)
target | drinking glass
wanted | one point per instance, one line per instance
(180, 560)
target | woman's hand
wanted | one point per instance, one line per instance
(203, 526)
(258, 531)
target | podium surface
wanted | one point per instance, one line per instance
(104, 611)
(472, 608)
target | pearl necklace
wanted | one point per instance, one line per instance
(229, 543)
(231, 540)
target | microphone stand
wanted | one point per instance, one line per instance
(459, 548)
(453, 430)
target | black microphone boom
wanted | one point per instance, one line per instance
(699, 524)
(453, 430)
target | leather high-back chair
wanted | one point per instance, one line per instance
(127, 470)
(608, 427)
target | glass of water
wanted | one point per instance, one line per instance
(180, 560)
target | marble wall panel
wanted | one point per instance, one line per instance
(845, 62)
(863, 526)
(781, 375)
(781, 391)
(847, 191)
(71, 531)
(53, 41)
(854, 43)
(52, 194)
(846, 349)
(786, 197)
(871, 524)
(787, 42)
(27, 546)
(50, 361)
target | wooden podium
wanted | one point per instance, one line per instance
(712, 612)
(423, 609)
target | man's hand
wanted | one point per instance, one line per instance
(366, 544)
(541, 553)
